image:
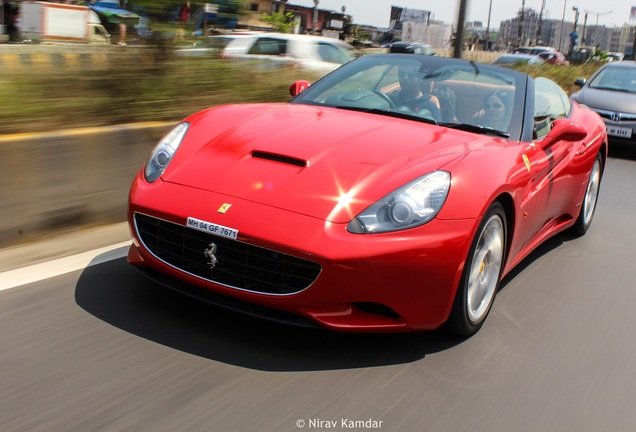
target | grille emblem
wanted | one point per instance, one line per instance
(209, 254)
(615, 117)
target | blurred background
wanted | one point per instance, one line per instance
(86, 90)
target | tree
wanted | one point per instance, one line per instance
(282, 22)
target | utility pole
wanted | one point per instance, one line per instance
(459, 38)
(540, 26)
(585, 36)
(521, 16)
(489, 12)
(315, 17)
(565, 2)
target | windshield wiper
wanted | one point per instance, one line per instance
(390, 113)
(477, 129)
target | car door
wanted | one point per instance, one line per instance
(551, 184)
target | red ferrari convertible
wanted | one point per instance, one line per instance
(391, 195)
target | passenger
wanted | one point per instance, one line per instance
(496, 111)
(448, 103)
(414, 93)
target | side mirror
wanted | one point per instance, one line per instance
(580, 82)
(298, 87)
(564, 130)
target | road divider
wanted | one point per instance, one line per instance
(71, 178)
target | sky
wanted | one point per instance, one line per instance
(377, 12)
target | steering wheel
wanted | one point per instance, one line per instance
(386, 98)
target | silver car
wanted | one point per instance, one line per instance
(611, 92)
(511, 59)
(316, 53)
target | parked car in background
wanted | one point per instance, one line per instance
(355, 207)
(523, 50)
(615, 56)
(411, 48)
(554, 57)
(316, 53)
(535, 50)
(583, 54)
(510, 59)
(210, 46)
(611, 92)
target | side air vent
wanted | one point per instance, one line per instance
(279, 158)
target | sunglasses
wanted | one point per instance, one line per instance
(495, 105)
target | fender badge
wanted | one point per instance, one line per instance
(224, 208)
(527, 161)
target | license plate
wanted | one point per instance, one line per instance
(212, 228)
(622, 132)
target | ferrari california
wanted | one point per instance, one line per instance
(393, 194)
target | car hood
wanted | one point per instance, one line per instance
(322, 162)
(607, 100)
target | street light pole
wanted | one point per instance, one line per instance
(315, 18)
(488, 25)
(460, 29)
(573, 35)
(565, 3)
(487, 35)
(521, 19)
(540, 26)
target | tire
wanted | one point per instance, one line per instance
(482, 273)
(588, 207)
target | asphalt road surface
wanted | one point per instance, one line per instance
(103, 349)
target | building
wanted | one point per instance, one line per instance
(319, 21)
(529, 29)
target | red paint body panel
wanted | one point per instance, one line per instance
(334, 165)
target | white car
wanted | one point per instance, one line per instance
(315, 53)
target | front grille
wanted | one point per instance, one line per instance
(240, 265)
(616, 116)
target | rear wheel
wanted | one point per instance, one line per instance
(481, 275)
(588, 207)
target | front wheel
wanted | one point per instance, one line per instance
(588, 207)
(482, 272)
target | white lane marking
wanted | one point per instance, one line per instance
(60, 266)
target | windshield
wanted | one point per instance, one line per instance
(621, 79)
(449, 92)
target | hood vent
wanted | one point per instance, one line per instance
(279, 158)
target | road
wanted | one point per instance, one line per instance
(103, 349)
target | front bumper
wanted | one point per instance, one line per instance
(620, 126)
(376, 283)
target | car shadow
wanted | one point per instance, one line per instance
(117, 294)
(543, 249)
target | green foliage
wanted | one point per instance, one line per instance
(134, 87)
(562, 75)
(156, 10)
(164, 10)
(150, 84)
(281, 22)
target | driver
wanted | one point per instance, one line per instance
(414, 93)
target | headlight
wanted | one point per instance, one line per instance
(164, 151)
(409, 206)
